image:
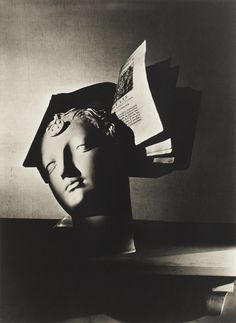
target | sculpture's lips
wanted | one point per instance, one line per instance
(75, 184)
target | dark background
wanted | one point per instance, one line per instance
(59, 46)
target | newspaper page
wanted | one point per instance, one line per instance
(160, 148)
(133, 102)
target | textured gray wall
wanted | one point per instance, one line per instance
(58, 46)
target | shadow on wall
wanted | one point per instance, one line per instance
(178, 109)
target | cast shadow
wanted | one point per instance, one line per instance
(178, 109)
(45, 279)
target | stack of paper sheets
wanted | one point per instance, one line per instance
(134, 105)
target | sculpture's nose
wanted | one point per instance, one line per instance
(68, 168)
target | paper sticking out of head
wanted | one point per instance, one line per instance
(178, 109)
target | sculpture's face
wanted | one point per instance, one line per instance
(82, 168)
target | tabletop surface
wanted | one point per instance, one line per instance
(162, 248)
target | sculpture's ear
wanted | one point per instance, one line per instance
(109, 129)
(121, 133)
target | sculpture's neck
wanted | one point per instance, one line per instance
(107, 226)
(108, 202)
(101, 234)
(106, 234)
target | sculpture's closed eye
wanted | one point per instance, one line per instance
(81, 148)
(51, 166)
(88, 145)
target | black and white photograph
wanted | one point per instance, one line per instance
(117, 161)
(125, 83)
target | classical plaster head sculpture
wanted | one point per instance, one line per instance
(85, 164)
(83, 152)
(86, 154)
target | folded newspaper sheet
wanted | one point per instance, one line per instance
(134, 105)
(161, 148)
(133, 102)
